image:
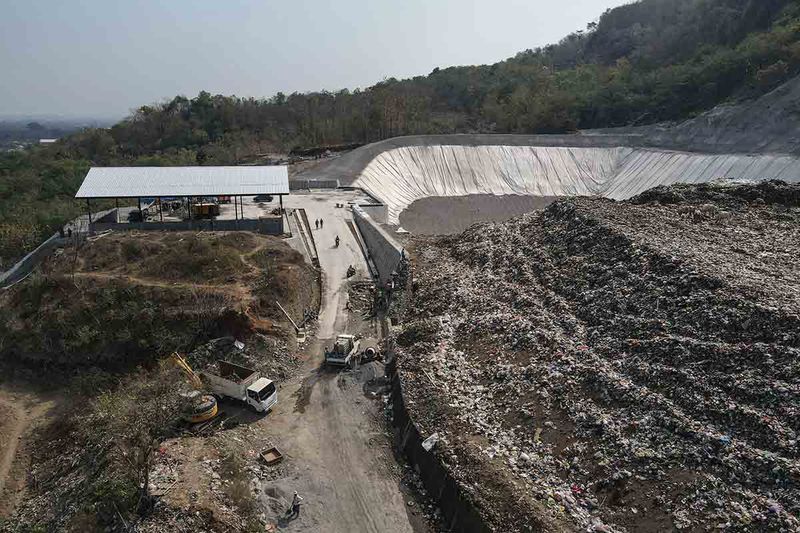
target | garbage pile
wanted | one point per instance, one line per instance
(361, 298)
(615, 366)
(269, 355)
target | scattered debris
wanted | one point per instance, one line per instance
(430, 442)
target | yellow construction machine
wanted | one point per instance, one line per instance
(203, 406)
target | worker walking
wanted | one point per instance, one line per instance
(316, 223)
(321, 223)
(294, 512)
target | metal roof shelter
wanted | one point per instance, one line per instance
(154, 182)
(185, 182)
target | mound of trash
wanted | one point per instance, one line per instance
(615, 366)
(271, 356)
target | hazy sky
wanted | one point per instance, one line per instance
(101, 58)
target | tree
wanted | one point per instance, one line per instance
(135, 418)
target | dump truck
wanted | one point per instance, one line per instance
(205, 210)
(344, 350)
(243, 384)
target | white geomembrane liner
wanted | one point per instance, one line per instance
(402, 175)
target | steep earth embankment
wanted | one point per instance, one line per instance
(770, 124)
(615, 366)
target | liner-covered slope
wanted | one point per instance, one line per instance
(399, 176)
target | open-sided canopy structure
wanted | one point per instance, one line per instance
(154, 182)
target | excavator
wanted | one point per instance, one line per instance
(203, 406)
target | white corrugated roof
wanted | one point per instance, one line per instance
(151, 182)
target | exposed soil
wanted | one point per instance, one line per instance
(768, 124)
(84, 322)
(446, 215)
(151, 293)
(20, 413)
(617, 366)
(329, 424)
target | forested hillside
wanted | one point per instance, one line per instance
(650, 61)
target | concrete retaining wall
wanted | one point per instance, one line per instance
(385, 252)
(459, 513)
(267, 226)
(378, 212)
(27, 263)
(310, 183)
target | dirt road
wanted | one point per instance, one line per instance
(19, 413)
(339, 455)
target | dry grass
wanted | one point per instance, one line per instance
(136, 296)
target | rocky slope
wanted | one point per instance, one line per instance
(769, 124)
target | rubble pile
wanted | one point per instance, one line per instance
(361, 298)
(616, 366)
(269, 355)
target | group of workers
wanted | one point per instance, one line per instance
(319, 224)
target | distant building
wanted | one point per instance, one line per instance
(47, 141)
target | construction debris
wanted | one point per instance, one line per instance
(268, 355)
(618, 366)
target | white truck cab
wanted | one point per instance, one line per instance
(262, 395)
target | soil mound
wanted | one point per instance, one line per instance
(127, 299)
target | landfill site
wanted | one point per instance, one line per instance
(606, 365)
(472, 333)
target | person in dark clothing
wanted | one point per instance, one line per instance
(316, 223)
